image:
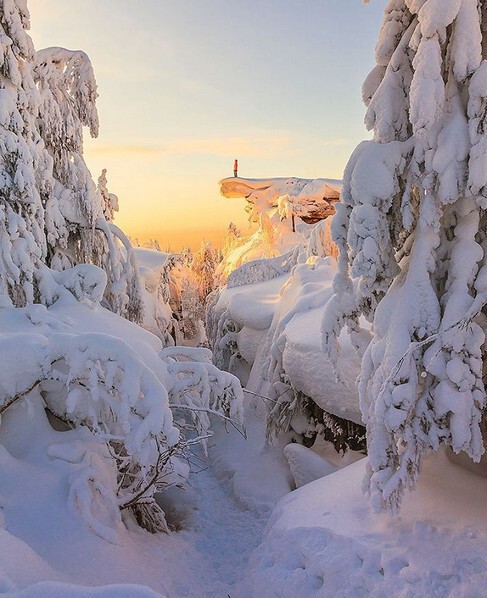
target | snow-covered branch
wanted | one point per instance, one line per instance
(412, 246)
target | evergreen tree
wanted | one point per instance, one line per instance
(24, 164)
(411, 233)
(78, 222)
(204, 266)
(110, 200)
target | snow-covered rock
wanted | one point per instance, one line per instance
(309, 199)
(306, 466)
(283, 209)
(256, 326)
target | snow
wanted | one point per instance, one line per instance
(108, 431)
(44, 502)
(221, 516)
(285, 312)
(37, 519)
(311, 373)
(280, 207)
(59, 504)
(61, 590)
(303, 190)
(254, 307)
(241, 318)
(324, 539)
(153, 260)
(158, 290)
(306, 465)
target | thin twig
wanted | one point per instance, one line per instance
(162, 460)
(255, 394)
(10, 401)
(237, 427)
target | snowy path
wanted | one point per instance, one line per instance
(223, 517)
(226, 533)
(208, 556)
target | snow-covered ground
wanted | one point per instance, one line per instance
(47, 550)
(321, 540)
(324, 539)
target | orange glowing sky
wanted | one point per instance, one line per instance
(186, 86)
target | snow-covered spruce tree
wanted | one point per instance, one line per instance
(78, 214)
(411, 233)
(110, 200)
(24, 163)
(203, 266)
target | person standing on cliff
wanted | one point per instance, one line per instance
(235, 167)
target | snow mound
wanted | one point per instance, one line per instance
(318, 543)
(61, 590)
(269, 333)
(306, 466)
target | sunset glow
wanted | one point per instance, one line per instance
(184, 91)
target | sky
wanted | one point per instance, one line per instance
(187, 86)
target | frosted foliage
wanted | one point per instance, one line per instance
(467, 50)
(411, 241)
(79, 214)
(15, 42)
(199, 389)
(396, 19)
(123, 292)
(67, 88)
(110, 200)
(97, 382)
(118, 399)
(320, 242)
(24, 163)
(261, 270)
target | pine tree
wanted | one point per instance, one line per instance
(78, 214)
(204, 266)
(411, 233)
(110, 200)
(24, 164)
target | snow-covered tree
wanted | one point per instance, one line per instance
(203, 266)
(55, 229)
(196, 276)
(68, 94)
(78, 214)
(411, 233)
(232, 239)
(24, 163)
(110, 200)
